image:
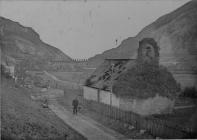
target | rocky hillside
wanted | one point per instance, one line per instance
(175, 33)
(19, 43)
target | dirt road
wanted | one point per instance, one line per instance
(84, 125)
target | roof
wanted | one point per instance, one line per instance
(101, 77)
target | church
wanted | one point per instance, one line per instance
(136, 84)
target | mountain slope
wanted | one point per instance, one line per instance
(175, 33)
(19, 42)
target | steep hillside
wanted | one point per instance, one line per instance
(23, 118)
(175, 33)
(125, 50)
(19, 42)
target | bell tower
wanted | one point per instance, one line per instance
(148, 52)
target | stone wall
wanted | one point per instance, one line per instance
(153, 105)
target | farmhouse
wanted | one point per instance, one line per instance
(140, 85)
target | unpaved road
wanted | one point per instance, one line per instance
(84, 125)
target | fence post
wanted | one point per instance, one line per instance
(106, 110)
(109, 109)
(130, 118)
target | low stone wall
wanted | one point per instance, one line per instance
(153, 105)
(49, 94)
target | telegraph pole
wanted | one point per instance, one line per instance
(111, 92)
(112, 70)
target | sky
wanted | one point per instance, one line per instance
(84, 28)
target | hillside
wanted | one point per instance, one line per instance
(176, 35)
(23, 118)
(19, 43)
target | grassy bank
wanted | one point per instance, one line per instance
(23, 118)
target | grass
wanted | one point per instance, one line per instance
(181, 117)
(68, 76)
(76, 77)
(23, 118)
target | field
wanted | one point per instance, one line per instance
(23, 118)
(76, 77)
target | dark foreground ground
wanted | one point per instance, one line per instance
(22, 118)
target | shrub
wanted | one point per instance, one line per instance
(146, 81)
(88, 82)
(190, 92)
(4, 73)
(2, 70)
(105, 87)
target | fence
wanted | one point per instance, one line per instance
(152, 105)
(156, 127)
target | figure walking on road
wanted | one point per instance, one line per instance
(75, 104)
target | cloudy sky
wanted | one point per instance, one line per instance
(82, 29)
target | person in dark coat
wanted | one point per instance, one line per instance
(75, 104)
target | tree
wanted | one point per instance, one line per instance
(145, 81)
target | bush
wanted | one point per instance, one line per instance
(105, 87)
(40, 82)
(2, 69)
(190, 92)
(145, 81)
(194, 124)
(4, 73)
(89, 81)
